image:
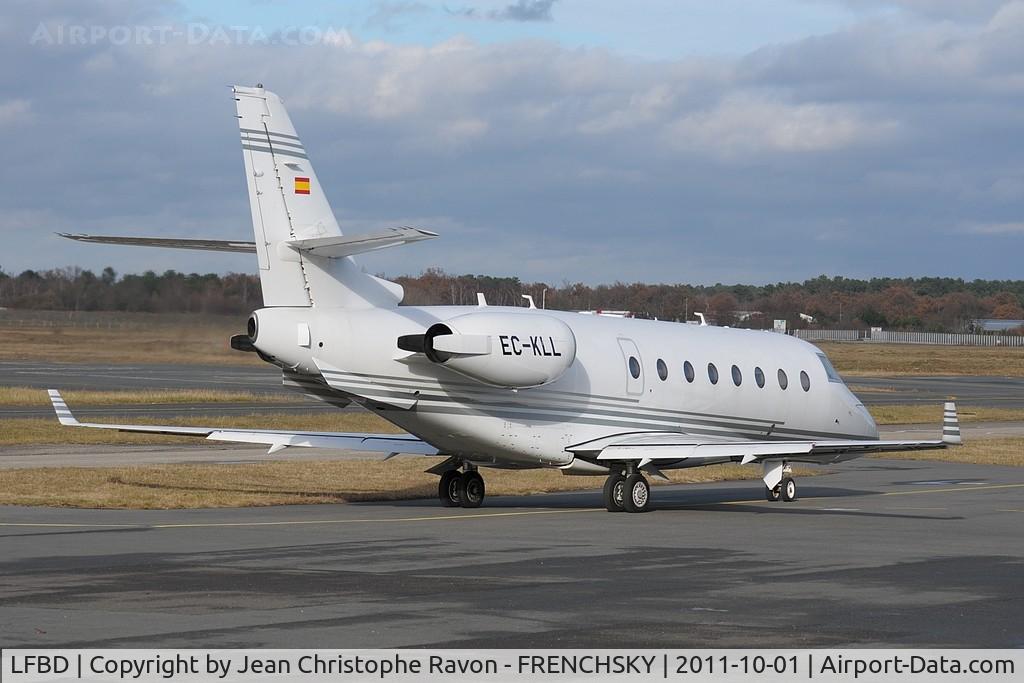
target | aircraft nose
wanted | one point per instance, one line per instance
(853, 416)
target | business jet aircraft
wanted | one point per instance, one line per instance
(506, 387)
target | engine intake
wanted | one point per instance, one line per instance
(509, 350)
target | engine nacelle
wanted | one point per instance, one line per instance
(510, 350)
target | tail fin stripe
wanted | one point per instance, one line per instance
(262, 140)
(275, 152)
(268, 132)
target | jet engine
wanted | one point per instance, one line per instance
(510, 350)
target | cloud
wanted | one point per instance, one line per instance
(525, 10)
(744, 125)
(534, 158)
(1016, 228)
(970, 10)
(388, 14)
(14, 111)
(520, 10)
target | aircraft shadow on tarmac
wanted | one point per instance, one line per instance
(681, 500)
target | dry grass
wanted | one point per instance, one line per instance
(284, 483)
(204, 344)
(932, 414)
(1006, 452)
(30, 396)
(866, 359)
(29, 431)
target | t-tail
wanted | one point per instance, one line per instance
(304, 258)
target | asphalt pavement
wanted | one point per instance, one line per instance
(882, 553)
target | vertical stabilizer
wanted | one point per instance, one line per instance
(288, 203)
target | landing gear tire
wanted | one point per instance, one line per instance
(788, 486)
(637, 492)
(448, 489)
(614, 492)
(773, 494)
(471, 489)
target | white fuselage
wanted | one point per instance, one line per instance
(598, 396)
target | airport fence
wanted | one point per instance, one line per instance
(894, 337)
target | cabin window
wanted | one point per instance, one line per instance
(737, 376)
(830, 370)
(805, 381)
(759, 377)
(688, 371)
(634, 367)
(662, 370)
(712, 373)
(783, 380)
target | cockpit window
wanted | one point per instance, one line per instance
(833, 376)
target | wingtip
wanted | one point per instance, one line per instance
(950, 424)
(64, 415)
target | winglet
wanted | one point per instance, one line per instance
(950, 424)
(62, 410)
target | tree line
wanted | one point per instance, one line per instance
(924, 304)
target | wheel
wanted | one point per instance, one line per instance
(614, 492)
(788, 489)
(773, 494)
(638, 494)
(448, 489)
(471, 490)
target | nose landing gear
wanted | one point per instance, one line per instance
(778, 482)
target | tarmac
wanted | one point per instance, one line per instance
(876, 553)
(880, 553)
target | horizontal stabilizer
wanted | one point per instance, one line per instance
(340, 246)
(166, 242)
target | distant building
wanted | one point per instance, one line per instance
(995, 325)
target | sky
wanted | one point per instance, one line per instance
(553, 140)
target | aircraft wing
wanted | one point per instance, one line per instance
(276, 439)
(668, 448)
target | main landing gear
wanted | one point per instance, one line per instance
(785, 489)
(461, 489)
(628, 492)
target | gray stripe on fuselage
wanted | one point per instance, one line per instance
(474, 387)
(554, 413)
(580, 399)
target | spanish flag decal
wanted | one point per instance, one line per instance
(301, 185)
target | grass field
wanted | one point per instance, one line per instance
(932, 414)
(288, 483)
(131, 338)
(1007, 452)
(30, 396)
(858, 359)
(30, 431)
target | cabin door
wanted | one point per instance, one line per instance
(633, 367)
